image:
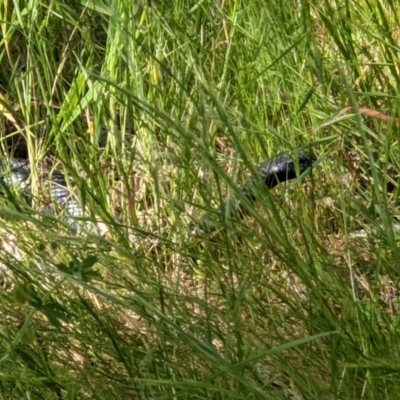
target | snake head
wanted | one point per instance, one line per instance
(277, 169)
(306, 160)
(282, 167)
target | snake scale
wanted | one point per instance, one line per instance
(15, 175)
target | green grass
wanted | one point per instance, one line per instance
(286, 304)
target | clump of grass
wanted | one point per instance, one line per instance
(156, 113)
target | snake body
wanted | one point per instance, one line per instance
(15, 174)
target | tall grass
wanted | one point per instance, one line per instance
(156, 111)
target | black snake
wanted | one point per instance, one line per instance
(15, 174)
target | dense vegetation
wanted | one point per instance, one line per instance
(157, 110)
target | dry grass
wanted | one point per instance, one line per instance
(292, 302)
